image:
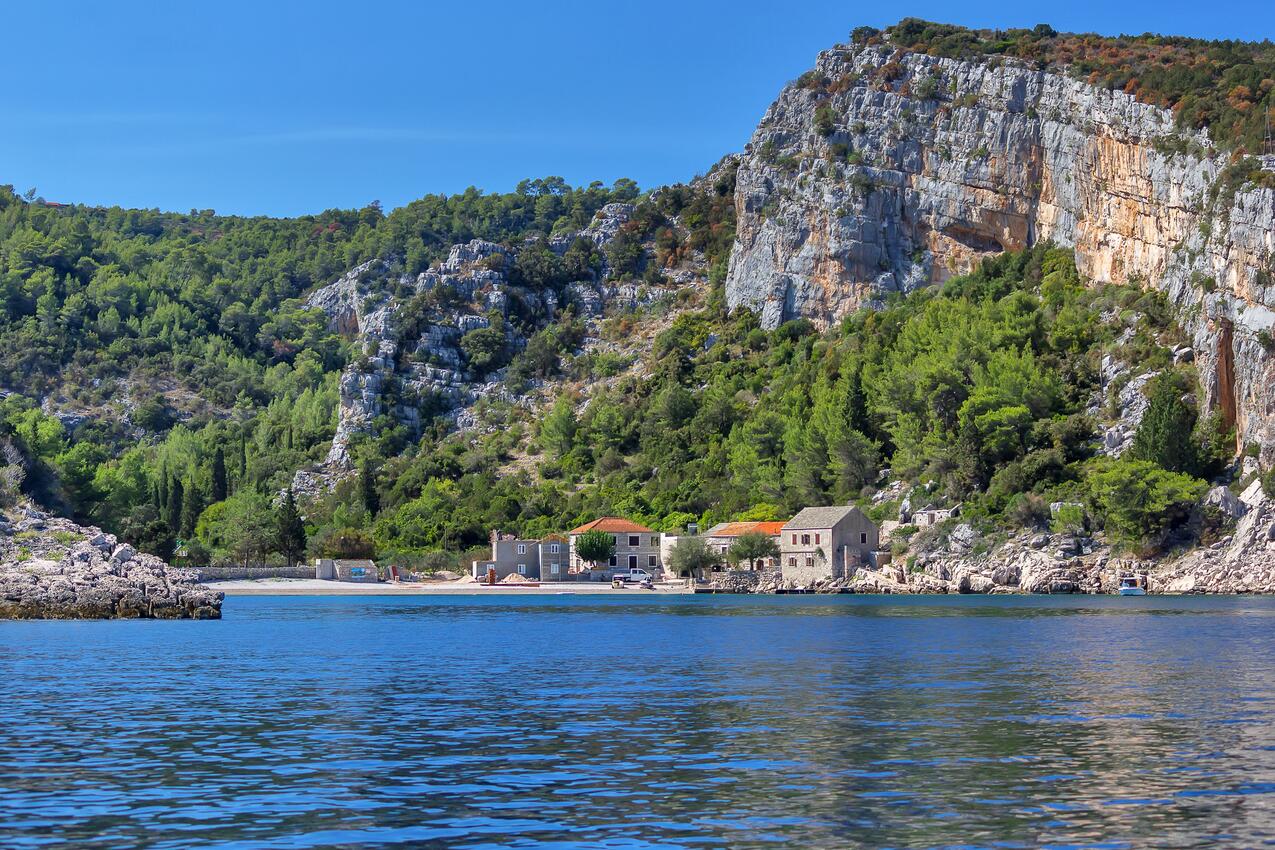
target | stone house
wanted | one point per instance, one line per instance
(346, 569)
(554, 557)
(830, 542)
(635, 545)
(723, 535)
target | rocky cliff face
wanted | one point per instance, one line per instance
(53, 569)
(882, 172)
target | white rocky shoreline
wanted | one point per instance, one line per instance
(54, 569)
(1242, 561)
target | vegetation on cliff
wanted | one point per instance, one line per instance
(1225, 85)
(202, 379)
(982, 388)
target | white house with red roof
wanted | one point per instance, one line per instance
(635, 545)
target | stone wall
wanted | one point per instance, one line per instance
(234, 572)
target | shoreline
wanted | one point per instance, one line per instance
(321, 587)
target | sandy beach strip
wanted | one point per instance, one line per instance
(319, 587)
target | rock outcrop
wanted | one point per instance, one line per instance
(883, 172)
(416, 362)
(1242, 562)
(53, 569)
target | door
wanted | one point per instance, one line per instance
(633, 562)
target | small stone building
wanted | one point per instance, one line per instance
(346, 569)
(823, 543)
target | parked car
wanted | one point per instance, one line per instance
(635, 574)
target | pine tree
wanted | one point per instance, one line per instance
(1166, 434)
(291, 529)
(367, 487)
(220, 488)
(173, 511)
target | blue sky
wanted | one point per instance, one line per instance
(287, 107)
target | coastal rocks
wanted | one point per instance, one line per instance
(1244, 563)
(51, 568)
(872, 183)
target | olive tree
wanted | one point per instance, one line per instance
(752, 547)
(692, 557)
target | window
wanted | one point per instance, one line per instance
(522, 569)
(522, 548)
(816, 539)
(810, 562)
(794, 540)
(613, 560)
(792, 562)
(553, 549)
(805, 540)
(633, 562)
(655, 540)
(650, 560)
(863, 537)
(553, 569)
(634, 541)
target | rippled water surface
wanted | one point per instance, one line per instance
(581, 721)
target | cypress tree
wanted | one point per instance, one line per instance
(367, 487)
(291, 529)
(161, 488)
(173, 511)
(1166, 434)
(219, 486)
(192, 507)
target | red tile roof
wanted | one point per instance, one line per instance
(613, 524)
(735, 529)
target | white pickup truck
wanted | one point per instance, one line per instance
(635, 574)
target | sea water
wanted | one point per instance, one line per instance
(586, 721)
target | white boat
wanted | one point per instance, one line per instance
(1129, 587)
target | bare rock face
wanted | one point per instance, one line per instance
(890, 173)
(53, 569)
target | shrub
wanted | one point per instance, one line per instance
(1139, 501)
(1268, 483)
(825, 120)
(1069, 519)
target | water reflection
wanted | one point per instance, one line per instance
(593, 722)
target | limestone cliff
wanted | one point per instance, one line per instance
(884, 171)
